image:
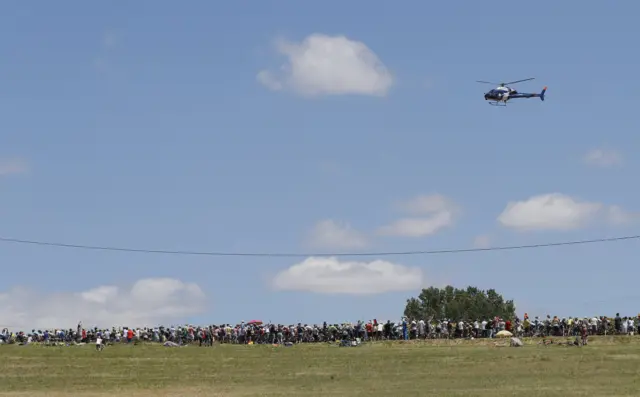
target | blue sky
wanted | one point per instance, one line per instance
(150, 125)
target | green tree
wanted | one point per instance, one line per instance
(459, 304)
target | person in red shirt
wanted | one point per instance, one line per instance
(129, 335)
(507, 325)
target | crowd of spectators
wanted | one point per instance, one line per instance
(257, 332)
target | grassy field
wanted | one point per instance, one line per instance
(607, 367)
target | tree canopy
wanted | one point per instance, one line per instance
(459, 304)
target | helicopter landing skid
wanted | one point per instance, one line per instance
(499, 104)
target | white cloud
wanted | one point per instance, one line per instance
(482, 241)
(265, 78)
(148, 302)
(13, 166)
(329, 65)
(603, 157)
(617, 215)
(417, 227)
(554, 211)
(427, 204)
(331, 276)
(331, 234)
(432, 213)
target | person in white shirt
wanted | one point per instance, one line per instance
(99, 345)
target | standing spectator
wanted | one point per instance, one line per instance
(618, 323)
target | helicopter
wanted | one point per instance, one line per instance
(501, 94)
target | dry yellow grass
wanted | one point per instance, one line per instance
(607, 367)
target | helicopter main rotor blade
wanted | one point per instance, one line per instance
(486, 82)
(519, 81)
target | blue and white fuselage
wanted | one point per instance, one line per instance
(502, 94)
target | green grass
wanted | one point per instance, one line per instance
(607, 367)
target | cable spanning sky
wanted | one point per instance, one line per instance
(336, 128)
(308, 254)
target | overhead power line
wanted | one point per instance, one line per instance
(300, 255)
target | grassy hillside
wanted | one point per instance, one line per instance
(608, 366)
